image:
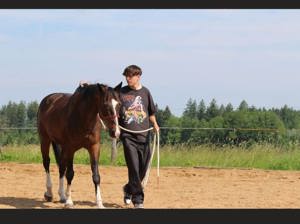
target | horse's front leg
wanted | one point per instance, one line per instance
(69, 176)
(45, 144)
(62, 170)
(94, 158)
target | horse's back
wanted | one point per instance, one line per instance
(52, 110)
(54, 102)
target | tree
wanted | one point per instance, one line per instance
(222, 110)
(228, 108)
(162, 116)
(190, 110)
(171, 136)
(243, 106)
(290, 117)
(212, 110)
(32, 109)
(21, 114)
(10, 112)
(201, 110)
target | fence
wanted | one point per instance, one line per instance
(172, 135)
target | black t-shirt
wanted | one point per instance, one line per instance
(137, 106)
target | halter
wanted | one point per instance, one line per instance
(109, 117)
(112, 117)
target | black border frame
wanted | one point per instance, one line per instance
(149, 4)
(151, 216)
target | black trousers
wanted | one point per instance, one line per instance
(137, 156)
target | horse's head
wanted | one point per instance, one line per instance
(109, 108)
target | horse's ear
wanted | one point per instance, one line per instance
(118, 87)
(101, 87)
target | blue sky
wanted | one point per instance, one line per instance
(228, 55)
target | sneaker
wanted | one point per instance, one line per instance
(139, 205)
(127, 197)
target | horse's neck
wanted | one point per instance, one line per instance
(83, 112)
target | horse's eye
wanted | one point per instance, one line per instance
(106, 105)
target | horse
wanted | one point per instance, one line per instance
(73, 121)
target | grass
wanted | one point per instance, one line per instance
(32, 154)
(258, 156)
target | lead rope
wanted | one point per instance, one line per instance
(155, 145)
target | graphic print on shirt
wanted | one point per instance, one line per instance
(135, 110)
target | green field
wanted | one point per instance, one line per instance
(258, 156)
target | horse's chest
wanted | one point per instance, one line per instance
(91, 138)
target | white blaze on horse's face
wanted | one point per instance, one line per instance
(115, 103)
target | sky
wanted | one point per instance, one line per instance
(221, 54)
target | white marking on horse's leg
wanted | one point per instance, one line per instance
(61, 191)
(48, 185)
(69, 202)
(115, 103)
(98, 197)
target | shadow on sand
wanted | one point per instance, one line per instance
(14, 202)
(93, 204)
(29, 203)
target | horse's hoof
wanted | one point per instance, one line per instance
(69, 205)
(48, 198)
(62, 200)
(101, 206)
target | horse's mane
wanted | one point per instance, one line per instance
(88, 90)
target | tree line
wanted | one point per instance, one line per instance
(200, 123)
(18, 115)
(223, 125)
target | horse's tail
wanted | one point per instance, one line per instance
(57, 152)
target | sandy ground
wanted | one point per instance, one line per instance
(23, 186)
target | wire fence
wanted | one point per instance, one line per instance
(172, 128)
(175, 135)
(19, 128)
(226, 129)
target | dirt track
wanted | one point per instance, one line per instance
(23, 186)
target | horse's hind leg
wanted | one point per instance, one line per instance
(45, 144)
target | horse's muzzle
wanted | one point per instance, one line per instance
(117, 133)
(114, 133)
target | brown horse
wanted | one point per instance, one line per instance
(70, 122)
